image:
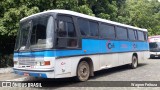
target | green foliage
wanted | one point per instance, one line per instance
(6, 61)
(139, 13)
(13, 11)
(11, 19)
(106, 9)
(66, 4)
(84, 9)
(103, 15)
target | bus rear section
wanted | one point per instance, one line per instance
(154, 46)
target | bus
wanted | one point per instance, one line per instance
(154, 46)
(62, 43)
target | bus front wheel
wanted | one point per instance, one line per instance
(83, 71)
(134, 63)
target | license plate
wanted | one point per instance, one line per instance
(156, 56)
(26, 74)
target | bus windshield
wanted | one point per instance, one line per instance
(154, 46)
(35, 34)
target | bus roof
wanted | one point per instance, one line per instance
(85, 16)
(156, 36)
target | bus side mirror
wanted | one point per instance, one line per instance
(61, 26)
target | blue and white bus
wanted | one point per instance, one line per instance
(154, 46)
(63, 43)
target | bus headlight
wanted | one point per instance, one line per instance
(38, 63)
(47, 63)
(43, 63)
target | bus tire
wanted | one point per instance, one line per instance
(134, 63)
(83, 71)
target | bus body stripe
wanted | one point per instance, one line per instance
(92, 47)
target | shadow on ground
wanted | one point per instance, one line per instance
(154, 58)
(71, 82)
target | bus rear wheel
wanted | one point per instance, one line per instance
(83, 71)
(134, 63)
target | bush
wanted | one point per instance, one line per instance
(6, 60)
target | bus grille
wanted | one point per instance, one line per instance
(26, 61)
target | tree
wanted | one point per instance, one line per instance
(141, 13)
(12, 12)
(106, 9)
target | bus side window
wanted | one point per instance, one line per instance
(61, 42)
(135, 33)
(107, 31)
(66, 35)
(119, 34)
(140, 36)
(72, 39)
(145, 36)
(131, 34)
(83, 27)
(61, 34)
(61, 31)
(93, 28)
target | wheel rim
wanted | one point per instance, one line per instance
(135, 62)
(83, 71)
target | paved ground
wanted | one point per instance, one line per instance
(6, 70)
(8, 76)
(148, 71)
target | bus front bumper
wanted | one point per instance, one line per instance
(154, 54)
(35, 73)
